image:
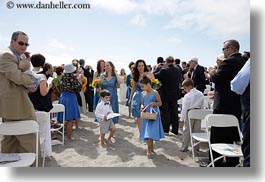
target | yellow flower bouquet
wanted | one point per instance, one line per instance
(155, 83)
(97, 83)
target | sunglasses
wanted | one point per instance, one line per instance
(23, 43)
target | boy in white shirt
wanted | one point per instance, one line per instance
(193, 99)
(103, 109)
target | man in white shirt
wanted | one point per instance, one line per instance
(193, 99)
(103, 109)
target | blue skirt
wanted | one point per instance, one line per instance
(69, 100)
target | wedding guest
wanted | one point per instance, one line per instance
(140, 70)
(97, 74)
(41, 100)
(69, 86)
(151, 130)
(16, 106)
(122, 95)
(103, 109)
(129, 87)
(110, 80)
(169, 78)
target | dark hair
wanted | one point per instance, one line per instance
(104, 93)
(59, 70)
(184, 63)
(233, 43)
(145, 80)
(46, 67)
(37, 60)
(159, 60)
(16, 34)
(188, 82)
(98, 65)
(177, 61)
(131, 64)
(170, 60)
(81, 61)
(136, 74)
(27, 54)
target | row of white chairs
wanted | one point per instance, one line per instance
(214, 120)
(30, 126)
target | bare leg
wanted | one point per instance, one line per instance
(69, 129)
(112, 131)
(139, 123)
(149, 148)
(102, 140)
(130, 112)
(76, 123)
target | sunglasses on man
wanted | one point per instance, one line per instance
(23, 43)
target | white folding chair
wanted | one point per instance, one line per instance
(21, 128)
(57, 108)
(224, 149)
(42, 118)
(197, 138)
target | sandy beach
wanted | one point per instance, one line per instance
(127, 151)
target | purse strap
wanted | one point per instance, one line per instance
(151, 109)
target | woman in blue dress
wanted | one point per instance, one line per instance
(97, 74)
(69, 86)
(110, 80)
(151, 129)
(129, 87)
(139, 71)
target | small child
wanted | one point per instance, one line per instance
(103, 109)
(24, 65)
(151, 129)
(193, 99)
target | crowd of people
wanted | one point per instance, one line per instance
(81, 89)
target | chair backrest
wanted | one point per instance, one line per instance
(222, 120)
(19, 127)
(199, 113)
(57, 108)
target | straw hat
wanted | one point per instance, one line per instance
(69, 68)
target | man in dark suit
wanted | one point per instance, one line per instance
(197, 75)
(169, 77)
(225, 100)
(88, 93)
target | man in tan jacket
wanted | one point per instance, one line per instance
(15, 104)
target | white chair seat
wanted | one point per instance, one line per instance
(227, 150)
(26, 160)
(202, 137)
(10, 128)
(224, 149)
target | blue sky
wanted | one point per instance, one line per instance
(126, 30)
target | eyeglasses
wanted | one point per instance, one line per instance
(225, 48)
(23, 43)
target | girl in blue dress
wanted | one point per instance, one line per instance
(110, 80)
(139, 71)
(151, 129)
